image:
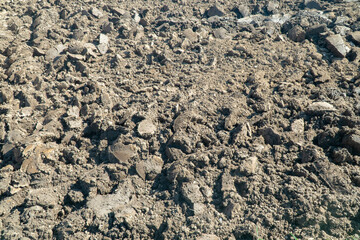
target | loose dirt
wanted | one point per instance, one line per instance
(179, 119)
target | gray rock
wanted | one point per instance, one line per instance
(191, 35)
(146, 128)
(220, 33)
(312, 4)
(336, 45)
(355, 37)
(153, 167)
(244, 10)
(315, 30)
(107, 27)
(319, 108)
(272, 7)
(120, 153)
(271, 136)
(215, 10)
(297, 34)
(341, 155)
(103, 44)
(96, 13)
(249, 166)
(352, 141)
(191, 192)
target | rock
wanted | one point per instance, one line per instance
(249, 166)
(271, 136)
(315, 30)
(312, 4)
(208, 237)
(272, 7)
(220, 33)
(337, 46)
(319, 108)
(103, 44)
(232, 210)
(153, 167)
(96, 13)
(102, 205)
(309, 154)
(120, 153)
(191, 35)
(355, 37)
(298, 126)
(140, 169)
(341, 155)
(191, 192)
(356, 181)
(227, 183)
(297, 34)
(352, 141)
(146, 128)
(243, 10)
(215, 10)
(107, 27)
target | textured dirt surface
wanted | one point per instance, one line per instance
(179, 119)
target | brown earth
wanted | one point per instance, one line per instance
(179, 119)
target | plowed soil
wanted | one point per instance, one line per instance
(179, 119)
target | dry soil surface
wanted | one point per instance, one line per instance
(179, 119)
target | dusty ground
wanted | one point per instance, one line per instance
(179, 119)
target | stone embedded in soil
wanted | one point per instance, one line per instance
(215, 10)
(103, 44)
(120, 153)
(220, 33)
(319, 108)
(315, 30)
(191, 35)
(96, 13)
(297, 34)
(336, 45)
(312, 4)
(243, 10)
(298, 126)
(352, 141)
(146, 128)
(153, 167)
(191, 192)
(208, 237)
(355, 37)
(249, 166)
(271, 136)
(341, 155)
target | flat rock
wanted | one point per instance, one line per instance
(336, 45)
(120, 153)
(355, 37)
(319, 108)
(208, 237)
(146, 128)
